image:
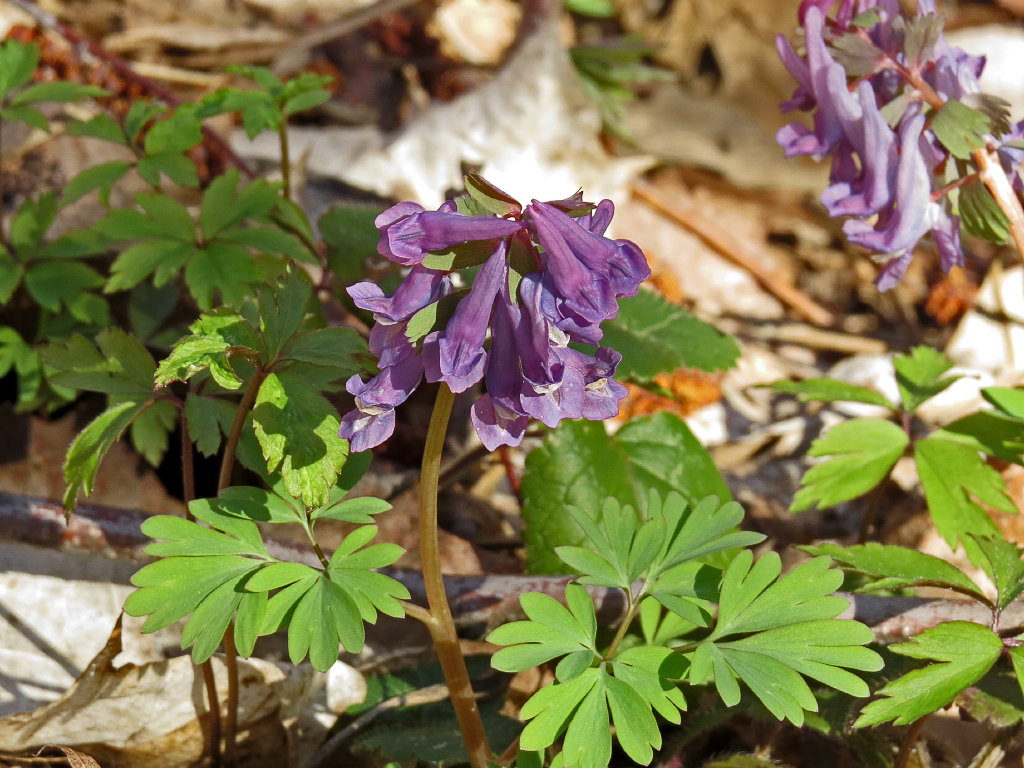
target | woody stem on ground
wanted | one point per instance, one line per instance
(442, 628)
(188, 485)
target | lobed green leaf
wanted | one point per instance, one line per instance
(861, 454)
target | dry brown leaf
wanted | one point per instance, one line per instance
(75, 758)
(153, 715)
(194, 37)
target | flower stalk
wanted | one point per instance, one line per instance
(442, 626)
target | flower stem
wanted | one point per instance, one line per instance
(442, 628)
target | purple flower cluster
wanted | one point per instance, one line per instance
(870, 74)
(548, 276)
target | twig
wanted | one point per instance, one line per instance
(736, 251)
(474, 600)
(290, 58)
(429, 695)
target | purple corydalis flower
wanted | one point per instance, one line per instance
(408, 232)
(886, 164)
(509, 330)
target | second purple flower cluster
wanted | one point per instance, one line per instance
(869, 73)
(547, 276)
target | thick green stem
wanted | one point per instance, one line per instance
(442, 628)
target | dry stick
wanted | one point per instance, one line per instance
(290, 58)
(188, 492)
(442, 628)
(125, 70)
(735, 251)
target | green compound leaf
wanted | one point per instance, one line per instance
(350, 237)
(58, 90)
(953, 476)
(54, 284)
(550, 631)
(222, 207)
(990, 432)
(209, 587)
(1006, 399)
(353, 566)
(101, 177)
(580, 465)
(298, 430)
(282, 311)
(17, 63)
(960, 128)
(655, 336)
(222, 268)
(323, 608)
(101, 126)
(162, 259)
(1001, 560)
(121, 365)
(826, 390)
(214, 337)
(172, 164)
(11, 273)
(861, 453)
(772, 630)
(623, 545)
(208, 418)
(341, 352)
(893, 567)
(150, 432)
(963, 652)
(32, 221)
(919, 376)
(91, 445)
(586, 707)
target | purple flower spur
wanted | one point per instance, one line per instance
(545, 276)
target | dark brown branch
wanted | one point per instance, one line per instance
(486, 600)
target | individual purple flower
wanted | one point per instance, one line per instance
(408, 232)
(460, 355)
(509, 330)
(373, 420)
(874, 92)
